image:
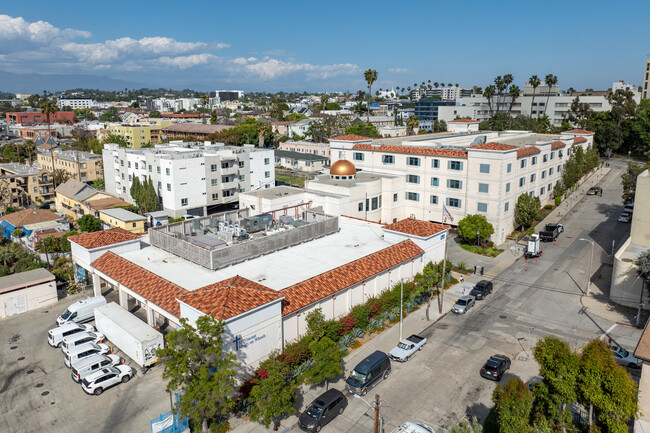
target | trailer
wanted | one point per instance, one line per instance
(131, 335)
(533, 249)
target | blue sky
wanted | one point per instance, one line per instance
(307, 45)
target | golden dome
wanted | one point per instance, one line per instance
(343, 167)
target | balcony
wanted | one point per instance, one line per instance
(232, 170)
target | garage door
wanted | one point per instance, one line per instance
(15, 305)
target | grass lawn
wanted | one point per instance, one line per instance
(294, 180)
(489, 251)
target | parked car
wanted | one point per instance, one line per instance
(55, 336)
(321, 411)
(84, 351)
(495, 367)
(481, 289)
(463, 304)
(368, 373)
(629, 208)
(414, 427)
(93, 363)
(72, 341)
(595, 190)
(97, 382)
(407, 347)
(624, 357)
(625, 217)
(81, 311)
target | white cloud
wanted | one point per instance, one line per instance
(39, 31)
(222, 45)
(184, 62)
(127, 47)
(270, 68)
(398, 70)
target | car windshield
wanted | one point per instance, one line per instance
(624, 353)
(461, 302)
(66, 314)
(314, 411)
(403, 346)
(357, 376)
(479, 288)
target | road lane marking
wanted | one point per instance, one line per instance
(606, 334)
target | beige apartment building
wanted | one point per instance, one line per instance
(22, 185)
(83, 166)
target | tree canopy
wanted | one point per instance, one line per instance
(474, 226)
(110, 115)
(89, 223)
(364, 129)
(527, 209)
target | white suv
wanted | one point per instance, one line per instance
(97, 382)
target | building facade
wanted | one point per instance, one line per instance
(75, 103)
(189, 178)
(321, 149)
(646, 79)
(37, 116)
(138, 135)
(84, 166)
(22, 185)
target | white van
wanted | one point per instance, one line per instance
(84, 351)
(81, 311)
(55, 336)
(93, 363)
(69, 343)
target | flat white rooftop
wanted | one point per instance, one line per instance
(277, 270)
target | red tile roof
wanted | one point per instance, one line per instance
(579, 140)
(464, 121)
(493, 146)
(412, 149)
(145, 283)
(103, 238)
(557, 145)
(525, 151)
(351, 137)
(328, 283)
(230, 298)
(579, 131)
(416, 227)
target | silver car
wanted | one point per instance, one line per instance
(625, 358)
(463, 304)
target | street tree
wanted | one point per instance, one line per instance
(273, 394)
(550, 80)
(527, 210)
(370, 75)
(467, 426)
(155, 114)
(412, 124)
(579, 113)
(642, 125)
(199, 366)
(513, 403)
(89, 223)
(327, 357)
(475, 227)
(110, 115)
(363, 129)
(628, 179)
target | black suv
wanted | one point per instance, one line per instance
(495, 367)
(323, 410)
(481, 289)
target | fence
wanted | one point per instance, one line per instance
(169, 423)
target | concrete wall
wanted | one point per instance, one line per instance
(40, 295)
(640, 233)
(626, 286)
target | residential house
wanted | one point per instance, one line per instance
(76, 199)
(122, 218)
(22, 185)
(305, 162)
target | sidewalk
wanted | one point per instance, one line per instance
(414, 323)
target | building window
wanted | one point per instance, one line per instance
(435, 163)
(158, 170)
(159, 185)
(361, 207)
(506, 207)
(483, 187)
(532, 178)
(128, 163)
(357, 156)
(122, 162)
(267, 174)
(481, 207)
(242, 178)
(183, 202)
(433, 199)
(523, 163)
(375, 203)
(533, 160)
(455, 165)
(544, 158)
(167, 172)
(213, 167)
(150, 168)
(484, 168)
(413, 196)
(550, 186)
(508, 187)
(509, 167)
(522, 181)
(412, 178)
(552, 155)
(454, 184)
(388, 159)
(215, 196)
(434, 181)
(541, 191)
(544, 174)
(169, 187)
(453, 202)
(532, 194)
(559, 154)
(394, 197)
(266, 161)
(559, 168)
(415, 162)
(122, 176)
(214, 182)
(130, 178)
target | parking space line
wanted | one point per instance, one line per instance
(606, 333)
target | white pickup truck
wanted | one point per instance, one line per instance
(407, 347)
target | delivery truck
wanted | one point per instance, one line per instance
(131, 335)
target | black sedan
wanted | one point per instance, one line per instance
(495, 367)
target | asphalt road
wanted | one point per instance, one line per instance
(530, 300)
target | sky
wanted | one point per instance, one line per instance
(326, 46)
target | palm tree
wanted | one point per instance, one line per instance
(48, 108)
(500, 86)
(370, 76)
(489, 93)
(534, 82)
(456, 85)
(323, 101)
(550, 80)
(514, 94)
(436, 84)
(450, 85)
(412, 123)
(403, 89)
(477, 90)
(204, 101)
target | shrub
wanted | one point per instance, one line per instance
(295, 353)
(361, 314)
(355, 344)
(374, 306)
(346, 341)
(558, 200)
(347, 323)
(375, 324)
(548, 207)
(17, 232)
(333, 329)
(357, 333)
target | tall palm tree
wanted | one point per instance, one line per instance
(403, 89)
(450, 85)
(48, 108)
(370, 76)
(456, 85)
(489, 93)
(550, 80)
(436, 84)
(514, 94)
(204, 101)
(323, 101)
(534, 82)
(412, 123)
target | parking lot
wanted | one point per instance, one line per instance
(38, 394)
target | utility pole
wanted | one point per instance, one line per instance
(376, 413)
(444, 262)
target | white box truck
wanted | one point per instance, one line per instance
(131, 335)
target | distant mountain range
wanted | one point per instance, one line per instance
(36, 83)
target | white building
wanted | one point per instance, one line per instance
(622, 85)
(75, 103)
(190, 178)
(26, 291)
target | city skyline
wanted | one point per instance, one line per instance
(318, 47)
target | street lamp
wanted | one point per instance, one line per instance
(530, 328)
(375, 406)
(593, 244)
(478, 233)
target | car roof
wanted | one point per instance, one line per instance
(466, 298)
(483, 283)
(370, 361)
(90, 360)
(328, 396)
(83, 347)
(78, 336)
